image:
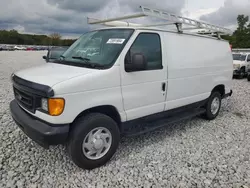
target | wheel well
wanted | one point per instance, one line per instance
(220, 89)
(108, 110)
(243, 68)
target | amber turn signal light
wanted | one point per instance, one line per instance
(55, 106)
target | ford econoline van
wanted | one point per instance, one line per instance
(120, 81)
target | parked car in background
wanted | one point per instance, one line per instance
(19, 48)
(241, 63)
(4, 47)
(8, 48)
(54, 53)
(30, 48)
(39, 48)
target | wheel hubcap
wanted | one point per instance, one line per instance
(215, 105)
(97, 143)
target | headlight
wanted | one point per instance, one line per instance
(236, 66)
(44, 104)
(53, 106)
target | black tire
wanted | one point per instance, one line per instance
(80, 130)
(240, 76)
(208, 114)
(242, 73)
(248, 77)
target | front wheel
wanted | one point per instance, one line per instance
(242, 73)
(93, 140)
(213, 106)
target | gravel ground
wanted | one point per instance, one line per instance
(195, 153)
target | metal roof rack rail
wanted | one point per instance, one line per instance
(169, 18)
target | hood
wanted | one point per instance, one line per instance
(238, 62)
(52, 73)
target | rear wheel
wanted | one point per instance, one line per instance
(93, 140)
(213, 106)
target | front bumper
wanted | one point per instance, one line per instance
(237, 72)
(43, 133)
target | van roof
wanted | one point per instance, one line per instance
(162, 30)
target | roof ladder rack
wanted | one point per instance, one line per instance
(169, 18)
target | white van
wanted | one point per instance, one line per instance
(133, 80)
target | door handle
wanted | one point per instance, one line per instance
(163, 86)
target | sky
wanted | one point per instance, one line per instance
(69, 17)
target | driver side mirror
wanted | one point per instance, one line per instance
(137, 63)
(45, 57)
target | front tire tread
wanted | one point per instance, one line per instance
(80, 128)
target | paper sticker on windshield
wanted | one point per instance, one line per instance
(115, 41)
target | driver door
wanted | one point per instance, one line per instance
(144, 92)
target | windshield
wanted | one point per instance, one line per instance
(239, 57)
(56, 53)
(97, 49)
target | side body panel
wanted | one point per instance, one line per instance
(195, 66)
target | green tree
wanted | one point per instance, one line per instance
(13, 37)
(55, 39)
(241, 36)
(242, 32)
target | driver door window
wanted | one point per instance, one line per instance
(149, 45)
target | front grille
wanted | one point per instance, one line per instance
(28, 94)
(24, 99)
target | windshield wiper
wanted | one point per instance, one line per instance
(81, 58)
(61, 58)
(88, 63)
